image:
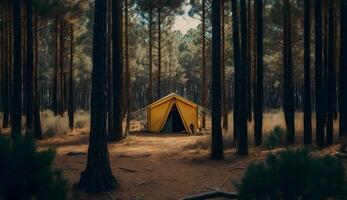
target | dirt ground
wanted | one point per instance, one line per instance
(154, 166)
(151, 166)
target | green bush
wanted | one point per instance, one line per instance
(26, 173)
(295, 174)
(274, 138)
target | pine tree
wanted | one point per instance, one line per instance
(217, 137)
(343, 71)
(29, 67)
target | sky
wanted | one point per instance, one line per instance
(184, 22)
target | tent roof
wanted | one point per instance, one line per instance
(172, 96)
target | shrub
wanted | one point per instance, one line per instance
(274, 138)
(52, 125)
(295, 174)
(82, 119)
(27, 174)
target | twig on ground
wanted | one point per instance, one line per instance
(128, 169)
(76, 153)
(110, 196)
(134, 156)
(226, 180)
(213, 194)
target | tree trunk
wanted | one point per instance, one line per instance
(237, 66)
(71, 90)
(204, 88)
(330, 84)
(217, 137)
(243, 141)
(127, 70)
(307, 76)
(61, 102)
(159, 55)
(150, 88)
(29, 66)
(117, 70)
(224, 93)
(343, 72)
(17, 75)
(55, 75)
(37, 117)
(288, 91)
(6, 73)
(319, 75)
(109, 70)
(98, 176)
(259, 98)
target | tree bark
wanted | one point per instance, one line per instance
(98, 176)
(17, 75)
(159, 55)
(117, 70)
(150, 88)
(55, 75)
(237, 66)
(127, 69)
(259, 98)
(243, 140)
(71, 85)
(29, 66)
(217, 137)
(204, 88)
(307, 76)
(288, 90)
(319, 75)
(224, 93)
(6, 73)
(343, 72)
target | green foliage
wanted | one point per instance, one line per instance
(295, 174)
(27, 174)
(274, 138)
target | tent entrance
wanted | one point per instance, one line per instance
(174, 123)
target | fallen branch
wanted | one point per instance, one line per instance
(128, 169)
(134, 156)
(110, 196)
(213, 194)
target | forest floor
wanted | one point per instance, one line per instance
(155, 166)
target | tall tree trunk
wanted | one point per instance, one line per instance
(319, 75)
(6, 73)
(224, 93)
(307, 76)
(243, 140)
(150, 88)
(29, 66)
(288, 91)
(109, 70)
(117, 70)
(237, 66)
(71, 90)
(98, 176)
(55, 75)
(37, 117)
(204, 89)
(331, 83)
(61, 102)
(259, 95)
(127, 70)
(17, 75)
(343, 72)
(249, 61)
(217, 137)
(159, 55)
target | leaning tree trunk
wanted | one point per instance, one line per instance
(98, 176)
(17, 76)
(217, 137)
(237, 66)
(307, 76)
(117, 70)
(243, 112)
(343, 72)
(71, 91)
(37, 117)
(330, 84)
(288, 91)
(29, 67)
(259, 95)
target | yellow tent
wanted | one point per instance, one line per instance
(172, 113)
